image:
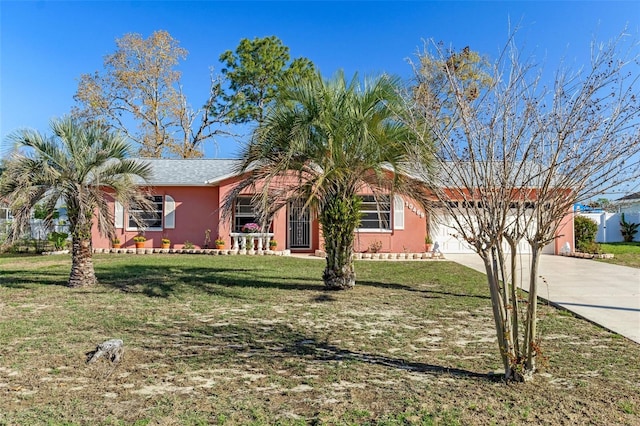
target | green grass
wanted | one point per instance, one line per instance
(626, 254)
(238, 340)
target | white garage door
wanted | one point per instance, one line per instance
(444, 233)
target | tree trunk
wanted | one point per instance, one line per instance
(531, 332)
(514, 294)
(343, 279)
(339, 219)
(82, 272)
(498, 316)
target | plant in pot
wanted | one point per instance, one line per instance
(219, 242)
(139, 240)
(273, 244)
(428, 243)
(166, 243)
(250, 228)
(116, 242)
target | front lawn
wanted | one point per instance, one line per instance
(626, 254)
(256, 340)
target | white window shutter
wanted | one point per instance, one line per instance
(169, 212)
(398, 212)
(118, 215)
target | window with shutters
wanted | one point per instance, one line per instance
(149, 220)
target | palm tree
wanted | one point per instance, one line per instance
(325, 142)
(79, 166)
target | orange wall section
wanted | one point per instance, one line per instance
(565, 233)
(196, 210)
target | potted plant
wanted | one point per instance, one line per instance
(273, 244)
(219, 242)
(166, 243)
(250, 228)
(139, 240)
(428, 243)
(116, 242)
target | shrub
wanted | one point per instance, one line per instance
(628, 229)
(59, 239)
(375, 247)
(589, 247)
(585, 231)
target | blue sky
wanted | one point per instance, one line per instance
(46, 45)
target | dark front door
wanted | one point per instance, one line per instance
(299, 226)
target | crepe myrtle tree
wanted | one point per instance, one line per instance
(515, 155)
(80, 166)
(324, 142)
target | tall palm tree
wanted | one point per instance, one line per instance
(326, 141)
(78, 166)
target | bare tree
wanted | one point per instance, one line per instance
(515, 155)
(140, 85)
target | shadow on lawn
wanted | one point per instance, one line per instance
(428, 293)
(159, 281)
(162, 281)
(326, 352)
(269, 345)
(30, 278)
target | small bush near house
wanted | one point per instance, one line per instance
(628, 229)
(375, 247)
(59, 239)
(585, 232)
(589, 247)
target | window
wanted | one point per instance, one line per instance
(243, 213)
(375, 214)
(146, 220)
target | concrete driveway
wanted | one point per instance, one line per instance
(608, 295)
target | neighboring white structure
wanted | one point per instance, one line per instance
(629, 204)
(609, 224)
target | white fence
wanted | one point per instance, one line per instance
(36, 229)
(609, 225)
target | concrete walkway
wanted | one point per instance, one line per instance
(608, 295)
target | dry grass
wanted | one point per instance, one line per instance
(239, 340)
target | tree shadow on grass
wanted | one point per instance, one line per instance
(267, 345)
(324, 351)
(429, 294)
(23, 279)
(161, 281)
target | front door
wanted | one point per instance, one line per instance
(299, 226)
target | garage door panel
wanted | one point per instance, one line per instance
(445, 235)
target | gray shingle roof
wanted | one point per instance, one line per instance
(189, 172)
(631, 197)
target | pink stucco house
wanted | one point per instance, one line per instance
(188, 195)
